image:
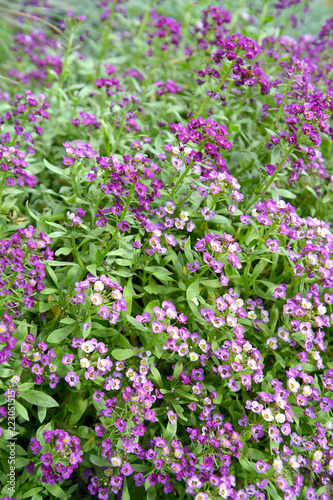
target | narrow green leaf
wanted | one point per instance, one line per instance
(38, 398)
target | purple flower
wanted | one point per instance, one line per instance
(139, 479)
(35, 446)
(126, 469)
(98, 396)
(123, 226)
(72, 378)
(273, 245)
(157, 327)
(262, 466)
(68, 359)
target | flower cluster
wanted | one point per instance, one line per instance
(102, 295)
(22, 267)
(60, 454)
(7, 341)
(38, 358)
(176, 341)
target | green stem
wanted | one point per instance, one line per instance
(12, 279)
(279, 167)
(201, 274)
(145, 19)
(184, 174)
(76, 253)
(262, 21)
(284, 99)
(277, 171)
(102, 193)
(123, 215)
(2, 182)
(122, 123)
(76, 190)
(215, 200)
(64, 66)
(22, 125)
(203, 104)
(105, 39)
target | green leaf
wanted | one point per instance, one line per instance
(178, 369)
(128, 297)
(179, 410)
(100, 461)
(151, 492)
(68, 321)
(125, 493)
(92, 269)
(63, 251)
(134, 322)
(279, 359)
(21, 410)
(41, 410)
(48, 291)
(38, 398)
(55, 490)
(285, 193)
(77, 406)
(21, 462)
(44, 306)
(54, 169)
(220, 219)
(170, 431)
(31, 492)
(193, 290)
(259, 268)
(160, 273)
(187, 250)
(156, 289)
(274, 316)
(60, 334)
(122, 354)
(157, 376)
(52, 274)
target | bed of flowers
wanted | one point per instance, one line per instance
(166, 251)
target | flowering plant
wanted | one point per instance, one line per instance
(166, 253)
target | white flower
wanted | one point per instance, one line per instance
(238, 358)
(117, 295)
(278, 464)
(193, 356)
(307, 391)
(247, 346)
(84, 362)
(251, 363)
(293, 385)
(267, 415)
(293, 462)
(281, 204)
(98, 286)
(116, 461)
(87, 346)
(280, 417)
(96, 299)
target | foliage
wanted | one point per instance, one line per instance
(166, 252)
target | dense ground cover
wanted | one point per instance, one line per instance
(166, 264)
